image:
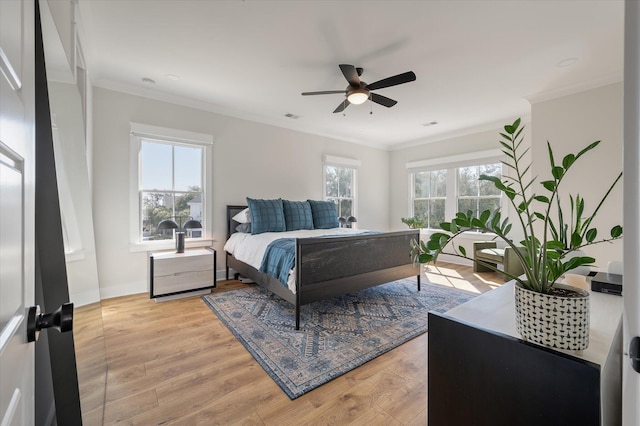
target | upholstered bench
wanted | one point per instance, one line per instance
(488, 252)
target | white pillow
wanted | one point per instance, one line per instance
(243, 216)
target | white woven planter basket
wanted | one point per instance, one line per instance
(554, 321)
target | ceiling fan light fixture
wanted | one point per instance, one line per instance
(358, 96)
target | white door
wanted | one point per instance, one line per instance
(17, 177)
(631, 316)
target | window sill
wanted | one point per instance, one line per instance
(168, 245)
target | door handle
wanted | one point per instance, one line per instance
(634, 353)
(61, 320)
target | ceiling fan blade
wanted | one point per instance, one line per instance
(393, 81)
(325, 92)
(382, 100)
(350, 73)
(342, 106)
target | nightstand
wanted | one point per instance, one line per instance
(173, 275)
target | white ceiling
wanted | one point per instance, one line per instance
(478, 63)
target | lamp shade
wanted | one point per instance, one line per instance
(167, 224)
(192, 224)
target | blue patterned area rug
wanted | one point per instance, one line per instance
(336, 335)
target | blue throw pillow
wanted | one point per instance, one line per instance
(324, 214)
(297, 215)
(266, 215)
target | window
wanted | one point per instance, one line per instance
(340, 184)
(170, 186)
(429, 196)
(171, 171)
(441, 187)
(478, 195)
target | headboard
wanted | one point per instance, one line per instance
(231, 224)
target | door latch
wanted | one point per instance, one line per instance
(634, 353)
(61, 320)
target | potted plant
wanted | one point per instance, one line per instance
(546, 312)
(413, 222)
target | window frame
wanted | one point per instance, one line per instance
(345, 163)
(140, 132)
(451, 164)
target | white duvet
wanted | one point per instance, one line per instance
(250, 249)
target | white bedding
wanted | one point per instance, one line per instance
(250, 249)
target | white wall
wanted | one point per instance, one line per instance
(250, 159)
(570, 123)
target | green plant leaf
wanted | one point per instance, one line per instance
(462, 250)
(425, 258)
(616, 231)
(549, 185)
(507, 229)
(541, 198)
(438, 237)
(576, 239)
(506, 145)
(557, 172)
(433, 245)
(587, 148)
(574, 262)
(539, 215)
(517, 134)
(568, 160)
(485, 215)
(445, 226)
(551, 160)
(555, 245)
(477, 223)
(591, 235)
(509, 129)
(510, 193)
(553, 255)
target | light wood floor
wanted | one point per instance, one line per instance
(175, 363)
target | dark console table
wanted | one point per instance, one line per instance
(480, 372)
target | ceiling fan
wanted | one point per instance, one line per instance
(357, 92)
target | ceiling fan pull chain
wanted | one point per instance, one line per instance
(371, 104)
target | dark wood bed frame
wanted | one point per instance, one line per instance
(330, 267)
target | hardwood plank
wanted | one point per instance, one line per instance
(175, 363)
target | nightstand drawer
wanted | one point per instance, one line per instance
(182, 265)
(173, 273)
(183, 281)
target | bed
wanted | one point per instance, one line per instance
(333, 266)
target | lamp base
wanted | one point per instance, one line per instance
(179, 242)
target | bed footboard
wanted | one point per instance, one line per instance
(329, 267)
